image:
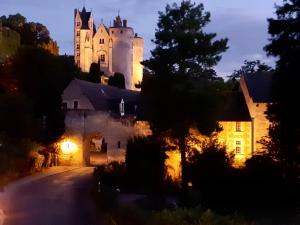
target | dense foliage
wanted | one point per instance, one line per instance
(33, 34)
(117, 80)
(284, 116)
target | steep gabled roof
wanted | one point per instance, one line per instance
(259, 86)
(85, 16)
(234, 107)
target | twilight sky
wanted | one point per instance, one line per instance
(243, 22)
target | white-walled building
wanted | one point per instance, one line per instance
(117, 48)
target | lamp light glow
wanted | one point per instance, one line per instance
(68, 147)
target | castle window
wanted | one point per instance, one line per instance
(78, 33)
(102, 58)
(75, 104)
(101, 41)
(78, 54)
(78, 24)
(238, 148)
(78, 46)
(238, 127)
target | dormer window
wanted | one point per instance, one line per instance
(122, 108)
(101, 41)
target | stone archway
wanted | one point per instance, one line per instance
(93, 152)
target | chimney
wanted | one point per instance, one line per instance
(124, 23)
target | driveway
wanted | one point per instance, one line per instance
(60, 198)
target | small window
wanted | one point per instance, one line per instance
(238, 127)
(238, 150)
(75, 104)
(78, 54)
(77, 46)
(78, 24)
(238, 147)
(102, 58)
(78, 33)
(101, 41)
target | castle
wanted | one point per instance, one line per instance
(115, 49)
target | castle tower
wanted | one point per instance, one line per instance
(116, 49)
(83, 39)
(122, 50)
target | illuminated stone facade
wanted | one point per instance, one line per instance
(116, 49)
(244, 122)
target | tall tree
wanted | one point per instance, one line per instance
(182, 93)
(95, 73)
(182, 46)
(283, 113)
(250, 67)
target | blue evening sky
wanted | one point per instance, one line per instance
(243, 22)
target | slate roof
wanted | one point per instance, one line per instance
(234, 107)
(108, 98)
(85, 16)
(259, 86)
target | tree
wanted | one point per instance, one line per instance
(95, 73)
(182, 46)
(283, 113)
(117, 80)
(43, 77)
(33, 34)
(145, 164)
(250, 67)
(183, 92)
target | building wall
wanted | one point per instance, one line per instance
(100, 48)
(138, 53)
(257, 112)
(234, 139)
(80, 129)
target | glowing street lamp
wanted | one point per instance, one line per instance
(68, 147)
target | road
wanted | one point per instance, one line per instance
(59, 199)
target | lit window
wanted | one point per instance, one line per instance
(102, 58)
(238, 149)
(75, 104)
(238, 127)
(101, 41)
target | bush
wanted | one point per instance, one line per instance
(194, 217)
(145, 164)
